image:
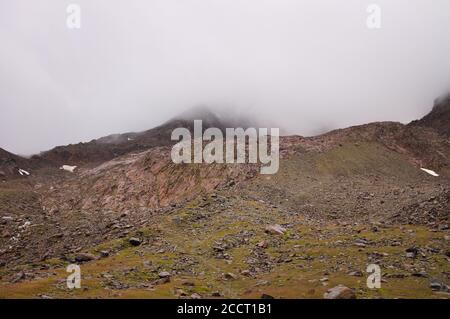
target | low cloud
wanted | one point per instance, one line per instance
(306, 66)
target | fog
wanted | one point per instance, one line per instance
(308, 66)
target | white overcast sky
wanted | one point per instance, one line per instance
(308, 65)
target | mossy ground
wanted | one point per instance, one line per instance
(186, 249)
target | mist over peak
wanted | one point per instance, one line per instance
(439, 117)
(281, 64)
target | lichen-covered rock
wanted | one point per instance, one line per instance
(340, 292)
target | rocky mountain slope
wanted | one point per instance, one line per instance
(10, 165)
(109, 147)
(141, 226)
(439, 117)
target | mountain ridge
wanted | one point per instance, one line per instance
(438, 118)
(112, 146)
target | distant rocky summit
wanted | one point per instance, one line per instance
(439, 117)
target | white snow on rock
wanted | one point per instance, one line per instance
(429, 171)
(68, 168)
(23, 172)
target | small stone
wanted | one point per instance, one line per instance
(245, 272)
(262, 283)
(263, 244)
(104, 253)
(266, 296)
(340, 292)
(412, 252)
(84, 257)
(164, 280)
(435, 285)
(361, 242)
(180, 292)
(6, 234)
(164, 274)
(229, 276)
(275, 230)
(196, 296)
(422, 274)
(135, 241)
(355, 274)
(18, 277)
(188, 283)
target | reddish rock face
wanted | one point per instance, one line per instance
(149, 179)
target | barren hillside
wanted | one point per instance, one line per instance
(142, 226)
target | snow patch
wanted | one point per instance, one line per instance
(68, 168)
(23, 172)
(429, 171)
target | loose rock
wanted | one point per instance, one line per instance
(135, 241)
(84, 257)
(275, 230)
(340, 292)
